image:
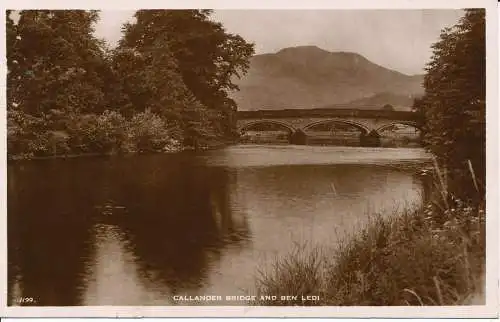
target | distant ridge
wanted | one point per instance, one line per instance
(311, 77)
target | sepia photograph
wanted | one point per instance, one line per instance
(245, 158)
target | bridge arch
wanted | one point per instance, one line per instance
(288, 126)
(364, 129)
(409, 123)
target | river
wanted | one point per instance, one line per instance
(141, 229)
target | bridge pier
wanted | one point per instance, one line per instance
(298, 137)
(371, 139)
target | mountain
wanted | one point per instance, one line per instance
(377, 101)
(310, 77)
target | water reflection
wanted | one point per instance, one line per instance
(178, 229)
(112, 277)
(143, 221)
(46, 234)
(138, 230)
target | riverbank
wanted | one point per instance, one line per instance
(415, 258)
(108, 133)
(167, 149)
(75, 155)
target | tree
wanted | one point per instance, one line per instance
(454, 102)
(207, 56)
(150, 80)
(59, 62)
(57, 74)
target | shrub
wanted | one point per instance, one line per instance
(111, 131)
(26, 135)
(82, 131)
(92, 133)
(147, 133)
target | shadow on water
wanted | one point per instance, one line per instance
(179, 228)
(48, 230)
(168, 217)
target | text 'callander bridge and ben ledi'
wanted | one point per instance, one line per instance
(301, 125)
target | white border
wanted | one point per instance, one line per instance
(256, 4)
(488, 311)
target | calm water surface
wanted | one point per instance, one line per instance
(138, 230)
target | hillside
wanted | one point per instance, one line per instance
(375, 102)
(307, 76)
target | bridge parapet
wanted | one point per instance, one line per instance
(326, 112)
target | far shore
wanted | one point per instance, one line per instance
(111, 154)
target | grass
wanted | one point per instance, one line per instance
(434, 255)
(300, 273)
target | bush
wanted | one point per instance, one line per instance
(82, 131)
(147, 133)
(108, 132)
(90, 133)
(27, 135)
(111, 131)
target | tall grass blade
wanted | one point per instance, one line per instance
(443, 189)
(438, 290)
(414, 294)
(333, 188)
(468, 274)
(473, 174)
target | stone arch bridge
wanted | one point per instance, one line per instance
(370, 123)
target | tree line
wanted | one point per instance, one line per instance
(454, 105)
(166, 84)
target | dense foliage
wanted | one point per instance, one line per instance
(166, 83)
(206, 58)
(454, 104)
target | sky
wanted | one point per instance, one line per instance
(396, 39)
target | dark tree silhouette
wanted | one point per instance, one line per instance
(454, 104)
